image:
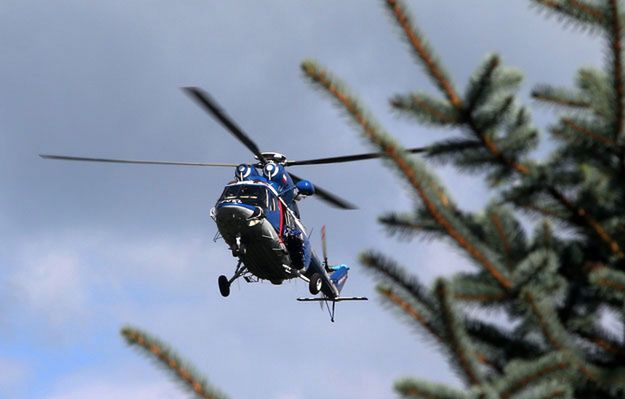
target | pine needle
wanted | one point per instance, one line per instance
(170, 362)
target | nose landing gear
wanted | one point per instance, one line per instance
(224, 285)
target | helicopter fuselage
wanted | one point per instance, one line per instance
(258, 218)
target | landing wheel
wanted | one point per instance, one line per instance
(315, 283)
(224, 285)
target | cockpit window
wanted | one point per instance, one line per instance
(245, 193)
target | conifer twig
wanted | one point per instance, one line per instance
(505, 243)
(394, 273)
(429, 110)
(611, 346)
(538, 369)
(543, 94)
(415, 389)
(555, 334)
(414, 314)
(458, 340)
(424, 53)
(156, 350)
(396, 154)
(612, 281)
(582, 214)
(586, 8)
(586, 132)
(435, 70)
(577, 10)
(616, 50)
(410, 311)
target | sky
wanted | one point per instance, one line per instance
(88, 248)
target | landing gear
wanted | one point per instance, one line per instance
(315, 284)
(224, 282)
(224, 285)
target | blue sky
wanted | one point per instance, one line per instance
(87, 248)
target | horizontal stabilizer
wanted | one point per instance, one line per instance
(337, 299)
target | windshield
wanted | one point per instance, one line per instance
(249, 194)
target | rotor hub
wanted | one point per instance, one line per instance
(274, 157)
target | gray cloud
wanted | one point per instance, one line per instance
(102, 79)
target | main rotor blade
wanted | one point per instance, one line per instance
(210, 105)
(350, 158)
(327, 196)
(132, 161)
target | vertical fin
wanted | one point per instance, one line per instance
(324, 246)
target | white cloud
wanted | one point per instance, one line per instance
(66, 279)
(51, 283)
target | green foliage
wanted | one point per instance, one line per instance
(426, 109)
(551, 284)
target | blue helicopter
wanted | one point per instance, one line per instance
(258, 217)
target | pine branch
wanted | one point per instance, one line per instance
(478, 288)
(549, 390)
(409, 225)
(615, 40)
(558, 338)
(581, 214)
(494, 150)
(392, 273)
(552, 330)
(426, 109)
(559, 97)
(456, 336)
(490, 117)
(501, 233)
(610, 282)
(575, 11)
(411, 312)
(512, 346)
(605, 342)
(550, 213)
(411, 170)
(539, 270)
(451, 148)
(480, 84)
(521, 375)
(169, 361)
(521, 136)
(415, 389)
(587, 219)
(582, 130)
(595, 85)
(423, 52)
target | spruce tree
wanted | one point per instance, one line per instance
(554, 282)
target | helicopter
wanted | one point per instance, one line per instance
(258, 217)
